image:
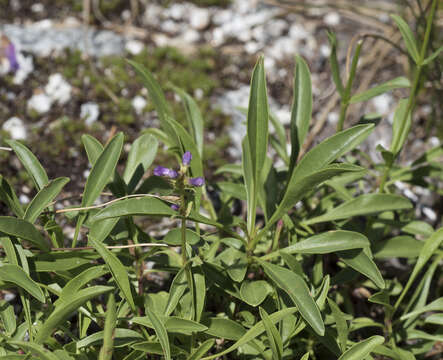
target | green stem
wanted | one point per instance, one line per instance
(414, 90)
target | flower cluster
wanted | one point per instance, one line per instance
(172, 174)
(8, 53)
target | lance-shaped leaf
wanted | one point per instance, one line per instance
(401, 126)
(408, 37)
(201, 350)
(363, 348)
(8, 196)
(43, 198)
(274, 337)
(397, 83)
(15, 274)
(335, 68)
(23, 230)
(109, 331)
(30, 162)
(340, 323)
(102, 170)
(93, 148)
(36, 349)
(296, 288)
(301, 111)
(363, 205)
(161, 333)
(62, 312)
(117, 269)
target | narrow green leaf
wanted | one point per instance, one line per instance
(141, 156)
(122, 337)
(43, 198)
(176, 291)
(398, 246)
(296, 288)
(408, 37)
(161, 332)
(7, 316)
(201, 350)
(363, 205)
(274, 337)
(155, 347)
(436, 319)
(62, 312)
(280, 136)
(36, 349)
(401, 126)
(8, 196)
(93, 148)
(248, 174)
(15, 274)
(436, 305)
(305, 356)
(200, 291)
(340, 323)
(102, 170)
(254, 332)
(301, 111)
(335, 67)
(23, 230)
(117, 269)
(431, 57)
(30, 162)
(108, 333)
(359, 261)
(397, 83)
(194, 118)
(172, 324)
(362, 349)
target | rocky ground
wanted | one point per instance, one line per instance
(72, 78)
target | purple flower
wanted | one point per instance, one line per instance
(198, 181)
(175, 207)
(187, 157)
(12, 58)
(163, 171)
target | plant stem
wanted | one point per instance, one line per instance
(414, 90)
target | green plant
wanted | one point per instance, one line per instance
(273, 284)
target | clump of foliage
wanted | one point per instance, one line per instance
(273, 284)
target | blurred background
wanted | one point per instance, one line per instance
(63, 71)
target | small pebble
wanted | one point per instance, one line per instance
(41, 103)
(16, 128)
(89, 112)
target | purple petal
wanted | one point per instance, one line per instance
(10, 54)
(198, 181)
(172, 173)
(161, 171)
(175, 207)
(187, 157)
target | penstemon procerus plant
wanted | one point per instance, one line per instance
(273, 284)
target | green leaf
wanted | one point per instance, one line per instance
(301, 111)
(23, 230)
(30, 162)
(76, 283)
(176, 291)
(8, 196)
(194, 118)
(274, 337)
(248, 174)
(102, 170)
(122, 337)
(305, 356)
(15, 274)
(436, 319)
(397, 83)
(43, 198)
(155, 347)
(363, 205)
(254, 332)
(235, 190)
(161, 332)
(173, 237)
(296, 288)
(36, 349)
(109, 330)
(257, 123)
(431, 57)
(362, 349)
(62, 312)
(140, 158)
(173, 324)
(408, 38)
(297, 189)
(436, 305)
(328, 242)
(255, 292)
(93, 148)
(235, 262)
(335, 68)
(398, 246)
(117, 269)
(340, 323)
(359, 261)
(401, 126)
(201, 350)
(7, 316)
(224, 328)
(280, 138)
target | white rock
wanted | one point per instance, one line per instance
(298, 32)
(24, 199)
(58, 89)
(139, 103)
(43, 24)
(89, 112)
(170, 26)
(176, 11)
(26, 66)
(41, 103)
(200, 18)
(198, 94)
(325, 50)
(16, 128)
(152, 15)
(429, 213)
(191, 36)
(276, 27)
(333, 118)
(382, 103)
(332, 19)
(37, 7)
(252, 47)
(9, 297)
(134, 47)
